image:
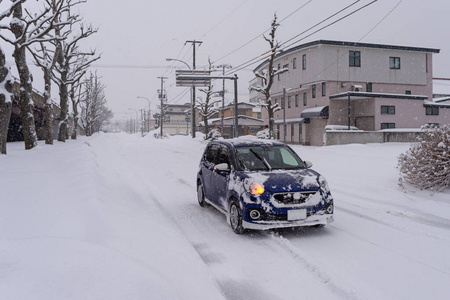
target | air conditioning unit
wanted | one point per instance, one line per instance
(357, 88)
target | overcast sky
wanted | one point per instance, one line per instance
(135, 37)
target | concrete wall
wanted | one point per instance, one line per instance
(364, 137)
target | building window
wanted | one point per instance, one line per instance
(408, 92)
(324, 89)
(305, 99)
(296, 100)
(304, 62)
(387, 125)
(289, 101)
(369, 87)
(387, 110)
(355, 58)
(432, 111)
(394, 63)
(314, 91)
(294, 63)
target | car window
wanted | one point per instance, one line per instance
(267, 158)
(222, 156)
(211, 153)
(287, 158)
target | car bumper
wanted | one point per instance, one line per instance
(310, 221)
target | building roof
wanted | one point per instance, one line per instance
(350, 44)
(365, 95)
(242, 120)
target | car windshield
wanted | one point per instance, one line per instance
(259, 158)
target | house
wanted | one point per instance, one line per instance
(369, 86)
(249, 120)
(176, 118)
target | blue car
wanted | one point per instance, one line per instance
(261, 184)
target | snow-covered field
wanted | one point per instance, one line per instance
(115, 216)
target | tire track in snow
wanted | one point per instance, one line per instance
(295, 253)
(413, 214)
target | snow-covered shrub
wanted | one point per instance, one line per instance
(263, 134)
(212, 135)
(157, 134)
(426, 165)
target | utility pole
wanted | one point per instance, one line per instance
(223, 93)
(194, 42)
(284, 114)
(162, 97)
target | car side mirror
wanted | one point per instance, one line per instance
(224, 167)
(308, 164)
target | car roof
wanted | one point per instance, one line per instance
(249, 142)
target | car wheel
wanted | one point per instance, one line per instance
(200, 195)
(236, 218)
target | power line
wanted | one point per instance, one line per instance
(259, 58)
(223, 20)
(259, 35)
(267, 54)
(343, 54)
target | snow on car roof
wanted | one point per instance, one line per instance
(250, 141)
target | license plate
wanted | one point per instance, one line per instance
(296, 214)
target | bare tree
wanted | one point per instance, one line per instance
(206, 107)
(46, 56)
(72, 64)
(75, 95)
(5, 101)
(267, 77)
(27, 30)
(94, 110)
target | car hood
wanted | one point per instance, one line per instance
(279, 181)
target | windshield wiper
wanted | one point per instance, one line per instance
(261, 159)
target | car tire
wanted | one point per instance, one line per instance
(201, 195)
(236, 218)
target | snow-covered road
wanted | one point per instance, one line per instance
(115, 216)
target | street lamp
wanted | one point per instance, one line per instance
(192, 96)
(179, 60)
(149, 111)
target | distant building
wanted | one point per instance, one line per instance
(368, 86)
(176, 119)
(248, 121)
(15, 123)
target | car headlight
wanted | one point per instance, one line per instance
(323, 184)
(256, 188)
(253, 187)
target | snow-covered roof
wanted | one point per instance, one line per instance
(365, 95)
(440, 103)
(242, 120)
(319, 111)
(290, 121)
(441, 87)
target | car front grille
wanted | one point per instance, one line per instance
(293, 197)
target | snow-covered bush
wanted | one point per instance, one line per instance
(157, 134)
(212, 135)
(263, 134)
(426, 165)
